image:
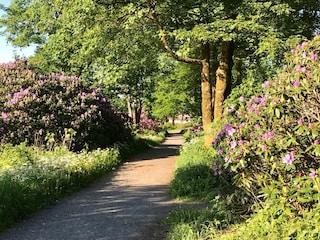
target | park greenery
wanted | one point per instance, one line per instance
(107, 72)
(268, 144)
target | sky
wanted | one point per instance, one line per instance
(6, 49)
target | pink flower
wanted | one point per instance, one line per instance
(264, 147)
(240, 142)
(227, 159)
(229, 129)
(266, 84)
(301, 69)
(289, 158)
(230, 109)
(296, 83)
(5, 116)
(242, 99)
(220, 151)
(313, 174)
(304, 55)
(300, 121)
(233, 144)
(314, 57)
(316, 142)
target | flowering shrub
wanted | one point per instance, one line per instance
(39, 109)
(271, 141)
(147, 123)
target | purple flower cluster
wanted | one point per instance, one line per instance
(289, 158)
(216, 169)
(34, 106)
(147, 123)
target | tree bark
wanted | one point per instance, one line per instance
(223, 77)
(128, 99)
(206, 93)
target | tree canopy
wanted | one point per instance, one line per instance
(118, 43)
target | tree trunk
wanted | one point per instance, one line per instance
(138, 111)
(223, 77)
(128, 99)
(206, 93)
(214, 64)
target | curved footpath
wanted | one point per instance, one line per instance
(128, 204)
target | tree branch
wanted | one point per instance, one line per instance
(154, 18)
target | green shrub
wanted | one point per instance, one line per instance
(272, 223)
(11, 156)
(199, 224)
(193, 148)
(271, 141)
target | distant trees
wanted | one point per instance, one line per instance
(177, 90)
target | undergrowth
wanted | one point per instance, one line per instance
(194, 178)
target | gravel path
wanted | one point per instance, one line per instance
(128, 204)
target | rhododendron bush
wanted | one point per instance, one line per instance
(271, 141)
(45, 110)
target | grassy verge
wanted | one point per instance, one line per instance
(31, 179)
(195, 180)
(45, 177)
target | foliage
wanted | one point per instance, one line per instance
(177, 90)
(193, 224)
(197, 178)
(147, 123)
(195, 130)
(271, 141)
(142, 141)
(105, 46)
(42, 177)
(31, 178)
(271, 223)
(39, 109)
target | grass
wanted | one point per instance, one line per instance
(31, 179)
(194, 180)
(141, 142)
